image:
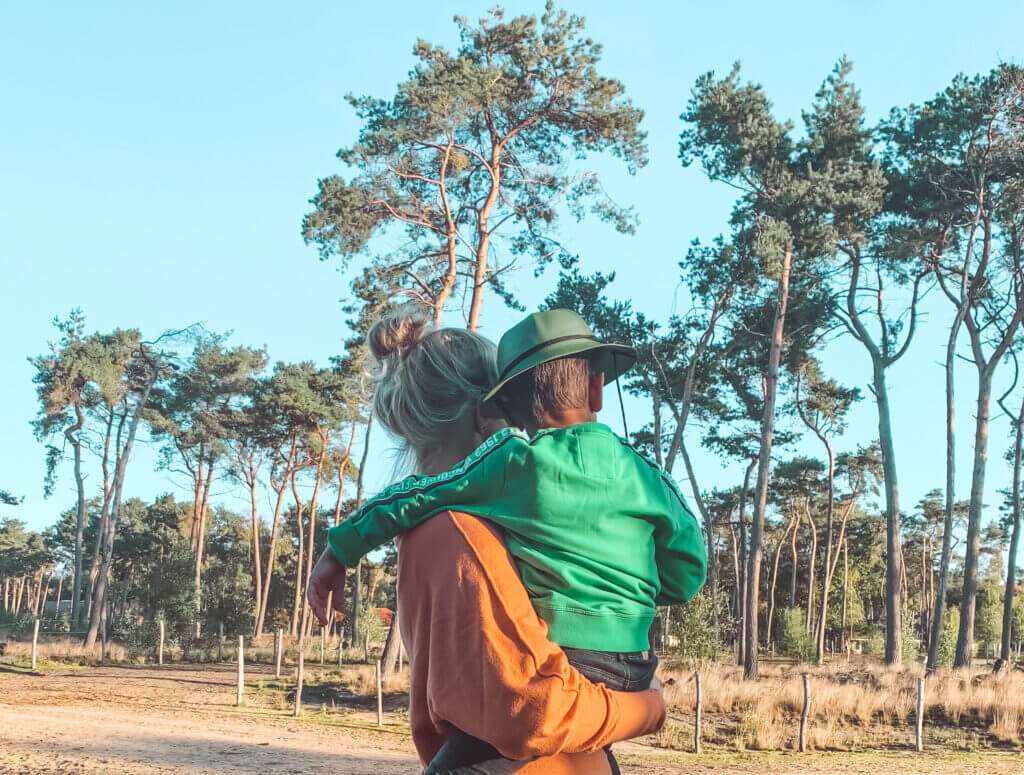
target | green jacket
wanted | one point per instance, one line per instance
(601, 533)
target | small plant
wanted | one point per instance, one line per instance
(795, 640)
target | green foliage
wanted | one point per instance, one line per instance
(170, 584)
(795, 641)
(370, 625)
(911, 641)
(947, 638)
(874, 643)
(700, 626)
(988, 622)
(511, 112)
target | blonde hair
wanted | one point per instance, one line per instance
(427, 379)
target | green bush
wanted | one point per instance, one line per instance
(794, 639)
(699, 626)
(947, 639)
(911, 641)
(874, 643)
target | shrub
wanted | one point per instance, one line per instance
(794, 639)
(698, 625)
(947, 640)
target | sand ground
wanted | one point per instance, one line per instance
(182, 719)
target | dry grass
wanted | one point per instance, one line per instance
(65, 650)
(362, 680)
(852, 706)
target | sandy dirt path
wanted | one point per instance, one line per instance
(181, 720)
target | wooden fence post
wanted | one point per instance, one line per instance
(341, 645)
(380, 699)
(160, 645)
(323, 643)
(298, 684)
(241, 668)
(35, 642)
(697, 709)
(920, 715)
(278, 648)
(804, 714)
(366, 647)
(103, 636)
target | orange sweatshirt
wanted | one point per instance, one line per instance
(481, 660)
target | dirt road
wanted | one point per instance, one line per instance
(182, 720)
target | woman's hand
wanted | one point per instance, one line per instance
(328, 577)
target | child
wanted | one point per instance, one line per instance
(601, 535)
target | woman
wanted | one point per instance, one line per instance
(480, 659)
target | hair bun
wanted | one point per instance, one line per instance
(396, 334)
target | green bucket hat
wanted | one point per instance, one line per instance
(557, 333)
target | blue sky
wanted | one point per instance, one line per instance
(156, 161)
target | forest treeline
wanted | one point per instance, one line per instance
(840, 229)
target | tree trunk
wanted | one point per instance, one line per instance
(99, 593)
(947, 523)
(201, 538)
(483, 244)
(965, 638)
(389, 660)
(297, 600)
(812, 555)
(846, 592)
(41, 606)
(76, 446)
(826, 574)
(764, 464)
(286, 474)
(709, 526)
(743, 565)
(893, 545)
(306, 619)
(775, 576)
(257, 564)
(1011, 560)
(108, 494)
(792, 577)
(357, 582)
(451, 237)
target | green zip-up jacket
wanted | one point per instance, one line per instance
(600, 533)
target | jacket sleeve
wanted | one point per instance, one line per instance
(502, 680)
(398, 509)
(680, 552)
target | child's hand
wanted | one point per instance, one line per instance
(326, 580)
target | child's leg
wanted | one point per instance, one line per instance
(461, 750)
(623, 672)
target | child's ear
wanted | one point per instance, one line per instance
(596, 392)
(486, 424)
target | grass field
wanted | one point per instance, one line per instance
(72, 716)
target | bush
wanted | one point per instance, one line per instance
(947, 639)
(874, 643)
(794, 639)
(911, 642)
(698, 625)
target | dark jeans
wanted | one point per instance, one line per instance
(624, 672)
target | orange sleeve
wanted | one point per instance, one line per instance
(495, 674)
